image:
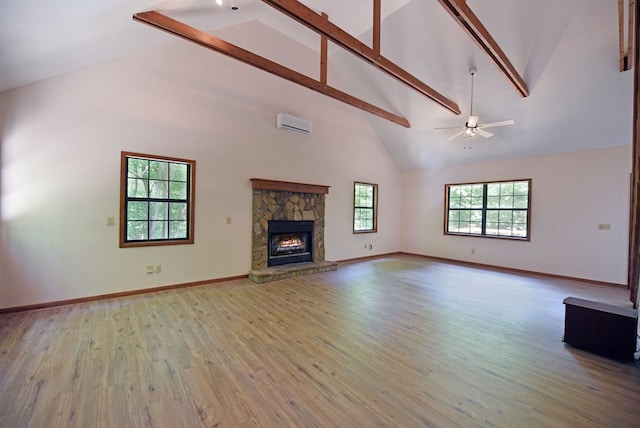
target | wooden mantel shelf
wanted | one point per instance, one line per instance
(286, 186)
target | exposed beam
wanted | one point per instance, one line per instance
(634, 238)
(621, 39)
(337, 35)
(177, 28)
(625, 33)
(459, 10)
(376, 27)
(324, 56)
(625, 28)
(631, 31)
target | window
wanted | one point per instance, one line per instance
(365, 207)
(156, 200)
(497, 209)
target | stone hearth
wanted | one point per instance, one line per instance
(278, 200)
(289, 271)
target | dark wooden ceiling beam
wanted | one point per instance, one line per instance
(633, 268)
(464, 16)
(631, 31)
(324, 56)
(377, 19)
(626, 26)
(621, 40)
(308, 17)
(199, 37)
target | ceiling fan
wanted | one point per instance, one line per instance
(472, 127)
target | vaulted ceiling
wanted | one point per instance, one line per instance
(567, 52)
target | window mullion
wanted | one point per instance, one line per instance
(484, 209)
(149, 210)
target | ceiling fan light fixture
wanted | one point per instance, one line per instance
(472, 128)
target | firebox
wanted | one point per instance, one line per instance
(290, 242)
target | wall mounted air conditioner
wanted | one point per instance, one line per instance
(293, 123)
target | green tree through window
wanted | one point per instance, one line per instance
(497, 209)
(365, 207)
(157, 200)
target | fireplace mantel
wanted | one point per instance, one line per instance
(287, 186)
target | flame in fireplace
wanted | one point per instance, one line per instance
(289, 245)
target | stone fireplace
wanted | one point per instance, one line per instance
(288, 230)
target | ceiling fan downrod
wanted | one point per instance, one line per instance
(472, 72)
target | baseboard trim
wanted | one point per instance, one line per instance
(53, 304)
(365, 258)
(519, 271)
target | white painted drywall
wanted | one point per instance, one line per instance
(571, 194)
(60, 144)
(61, 141)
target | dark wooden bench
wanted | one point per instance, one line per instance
(601, 328)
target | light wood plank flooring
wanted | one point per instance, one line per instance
(399, 341)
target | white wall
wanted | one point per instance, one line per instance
(60, 144)
(60, 151)
(571, 194)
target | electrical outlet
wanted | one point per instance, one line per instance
(111, 221)
(149, 269)
(604, 226)
(228, 220)
(473, 251)
(158, 269)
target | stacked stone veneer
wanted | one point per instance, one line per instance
(277, 205)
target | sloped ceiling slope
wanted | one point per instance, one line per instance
(566, 50)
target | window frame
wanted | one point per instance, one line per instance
(485, 208)
(373, 207)
(124, 199)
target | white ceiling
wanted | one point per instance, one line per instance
(566, 50)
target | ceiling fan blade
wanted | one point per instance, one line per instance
(472, 122)
(483, 133)
(494, 124)
(455, 135)
(451, 127)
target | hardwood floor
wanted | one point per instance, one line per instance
(399, 341)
